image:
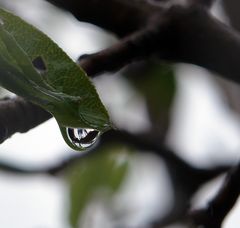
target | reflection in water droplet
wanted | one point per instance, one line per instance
(82, 138)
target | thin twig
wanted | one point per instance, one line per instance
(18, 115)
(221, 204)
(129, 139)
(180, 171)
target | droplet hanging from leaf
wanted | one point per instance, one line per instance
(34, 67)
(82, 138)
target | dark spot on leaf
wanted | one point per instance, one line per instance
(39, 64)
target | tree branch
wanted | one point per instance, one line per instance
(142, 142)
(181, 34)
(133, 47)
(203, 3)
(180, 172)
(18, 115)
(189, 35)
(200, 39)
(221, 204)
(120, 17)
(232, 9)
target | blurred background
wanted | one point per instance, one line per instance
(195, 112)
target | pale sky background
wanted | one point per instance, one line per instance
(203, 129)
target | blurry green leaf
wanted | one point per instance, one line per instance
(157, 83)
(34, 67)
(104, 170)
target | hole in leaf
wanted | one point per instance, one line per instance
(39, 64)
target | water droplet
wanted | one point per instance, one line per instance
(82, 138)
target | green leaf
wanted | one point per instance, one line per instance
(104, 170)
(157, 83)
(34, 67)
